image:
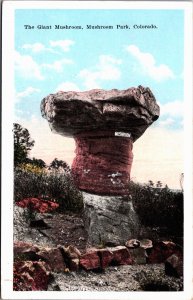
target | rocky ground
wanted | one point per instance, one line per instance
(68, 229)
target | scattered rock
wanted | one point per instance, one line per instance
(121, 256)
(31, 276)
(138, 255)
(22, 248)
(162, 250)
(146, 244)
(174, 265)
(90, 261)
(133, 243)
(106, 257)
(53, 257)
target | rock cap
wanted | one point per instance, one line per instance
(129, 111)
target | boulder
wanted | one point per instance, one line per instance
(53, 257)
(121, 256)
(90, 261)
(130, 111)
(109, 221)
(31, 276)
(106, 257)
(138, 255)
(174, 265)
(162, 250)
(22, 249)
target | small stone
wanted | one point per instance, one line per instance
(146, 244)
(133, 243)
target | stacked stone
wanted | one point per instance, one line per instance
(104, 125)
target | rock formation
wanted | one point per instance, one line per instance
(104, 125)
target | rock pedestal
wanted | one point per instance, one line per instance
(109, 219)
(104, 124)
(103, 163)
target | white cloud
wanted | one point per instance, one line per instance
(27, 92)
(105, 70)
(37, 48)
(173, 109)
(148, 65)
(27, 67)
(67, 86)
(62, 44)
(166, 122)
(58, 65)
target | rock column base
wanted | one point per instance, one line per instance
(109, 220)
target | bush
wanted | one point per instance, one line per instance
(157, 206)
(47, 185)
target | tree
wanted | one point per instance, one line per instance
(22, 143)
(59, 165)
(36, 162)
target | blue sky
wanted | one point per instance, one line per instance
(52, 59)
(49, 60)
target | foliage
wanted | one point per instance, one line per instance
(36, 162)
(59, 165)
(48, 185)
(158, 206)
(22, 143)
(32, 168)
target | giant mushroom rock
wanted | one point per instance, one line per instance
(104, 125)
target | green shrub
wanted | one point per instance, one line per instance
(157, 206)
(47, 185)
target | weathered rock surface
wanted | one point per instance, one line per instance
(174, 265)
(102, 164)
(70, 113)
(109, 220)
(162, 250)
(31, 276)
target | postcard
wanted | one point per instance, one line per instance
(96, 150)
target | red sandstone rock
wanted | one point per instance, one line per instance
(24, 248)
(174, 265)
(121, 256)
(102, 164)
(90, 261)
(106, 257)
(162, 250)
(30, 276)
(53, 257)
